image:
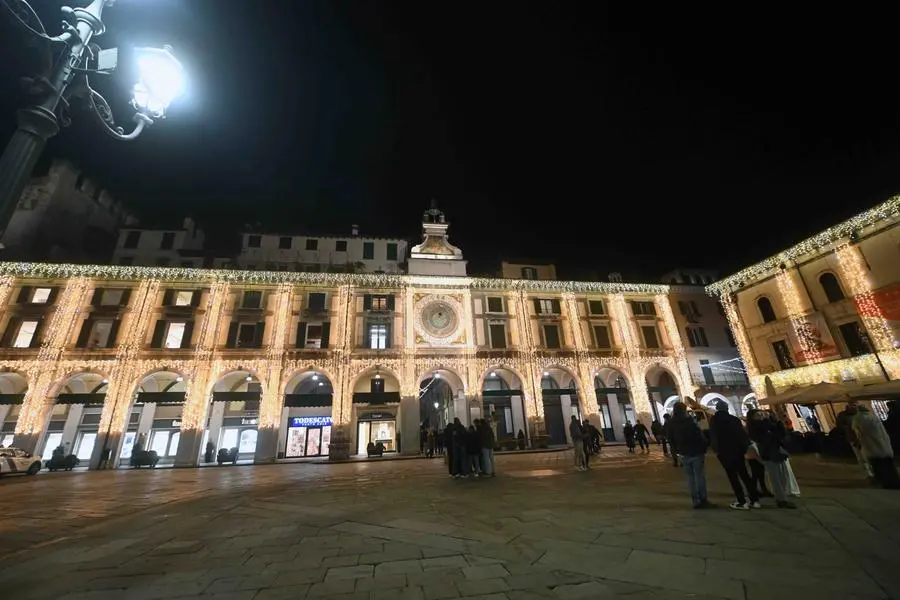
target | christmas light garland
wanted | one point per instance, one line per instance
(888, 210)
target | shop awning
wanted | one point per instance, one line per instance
(236, 396)
(164, 398)
(501, 393)
(559, 392)
(11, 398)
(80, 398)
(376, 398)
(307, 400)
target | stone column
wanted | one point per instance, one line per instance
(70, 429)
(617, 420)
(640, 395)
(408, 415)
(272, 407)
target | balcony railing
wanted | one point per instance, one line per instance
(732, 379)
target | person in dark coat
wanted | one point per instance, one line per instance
(642, 435)
(473, 450)
(691, 443)
(460, 455)
(667, 432)
(730, 442)
(892, 425)
(769, 434)
(628, 431)
(451, 456)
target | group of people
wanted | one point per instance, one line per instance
(587, 441)
(469, 451)
(761, 445)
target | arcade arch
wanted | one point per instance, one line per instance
(504, 403)
(661, 386)
(559, 394)
(233, 420)
(711, 401)
(74, 420)
(306, 419)
(614, 401)
(376, 399)
(154, 421)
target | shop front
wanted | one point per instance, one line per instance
(308, 436)
(10, 406)
(240, 433)
(377, 427)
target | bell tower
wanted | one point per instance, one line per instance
(436, 255)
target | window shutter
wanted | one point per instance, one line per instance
(36, 340)
(387, 335)
(258, 336)
(231, 342)
(537, 306)
(11, 328)
(113, 334)
(694, 309)
(690, 338)
(188, 333)
(97, 297)
(556, 308)
(326, 332)
(301, 334)
(367, 302)
(195, 298)
(158, 332)
(682, 307)
(703, 341)
(167, 297)
(84, 334)
(126, 295)
(24, 293)
(52, 298)
(390, 302)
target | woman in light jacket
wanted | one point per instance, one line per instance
(876, 447)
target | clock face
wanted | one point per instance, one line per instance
(437, 319)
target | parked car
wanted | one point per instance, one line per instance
(16, 460)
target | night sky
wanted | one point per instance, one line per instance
(637, 139)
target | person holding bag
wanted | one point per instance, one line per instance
(769, 434)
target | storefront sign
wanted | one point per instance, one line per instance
(376, 416)
(239, 421)
(249, 421)
(310, 421)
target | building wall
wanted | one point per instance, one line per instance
(231, 343)
(269, 255)
(514, 270)
(828, 339)
(186, 249)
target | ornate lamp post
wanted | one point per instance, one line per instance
(161, 81)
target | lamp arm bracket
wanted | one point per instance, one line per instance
(103, 113)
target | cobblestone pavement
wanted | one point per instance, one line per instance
(404, 530)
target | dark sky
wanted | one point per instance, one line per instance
(637, 138)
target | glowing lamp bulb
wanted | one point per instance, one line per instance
(321, 383)
(315, 377)
(179, 379)
(437, 405)
(161, 80)
(493, 373)
(249, 378)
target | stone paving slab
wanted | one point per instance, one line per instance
(404, 530)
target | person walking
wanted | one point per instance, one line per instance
(844, 423)
(577, 441)
(687, 437)
(667, 431)
(876, 447)
(656, 430)
(769, 434)
(643, 436)
(730, 442)
(586, 442)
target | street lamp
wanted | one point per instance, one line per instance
(161, 80)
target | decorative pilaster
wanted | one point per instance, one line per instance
(683, 370)
(272, 404)
(803, 332)
(342, 400)
(742, 339)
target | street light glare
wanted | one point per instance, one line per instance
(162, 79)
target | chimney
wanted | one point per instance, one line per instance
(354, 230)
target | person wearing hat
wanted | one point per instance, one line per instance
(730, 441)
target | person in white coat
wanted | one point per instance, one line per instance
(876, 447)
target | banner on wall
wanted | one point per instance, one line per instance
(887, 301)
(819, 344)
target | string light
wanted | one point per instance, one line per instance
(853, 272)
(740, 334)
(664, 309)
(886, 211)
(803, 330)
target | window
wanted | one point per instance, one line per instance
(168, 241)
(696, 337)
(312, 244)
(254, 241)
(316, 301)
(285, 242)
(529, 273)
(182, 298)
(379, 303)
(41, 295)
(495, 304)
(340, 246)
(854, 338)
(601, 336)
(497, 332)
(646, 309)
(831, 287)
(651, 340)
(101, 334)
(546, 306)
(378, 336)
(551, 336)
(730, 336)
(765, 310)
(708, 377)
(783, 354)
(595, 307)
(688, 308)
(251, 299)
(174, 335)
(26, 334)
(132, 239)
(246, 337)
(391, 251)
(313, 335)
(368, 250)
(376, 385)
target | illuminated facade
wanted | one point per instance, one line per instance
(286, 364)
(827, 309)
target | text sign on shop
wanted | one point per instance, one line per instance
(166, 424)
(376, 416)
(311, 421)
(176, 424)
(249, 421)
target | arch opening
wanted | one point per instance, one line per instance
(614, 401)
(154, 420)
(559, 394)
(504, 404)
(231, 434)
(661, 385)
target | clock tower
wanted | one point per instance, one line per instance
(436, 255)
